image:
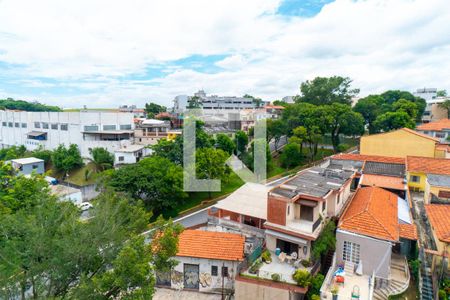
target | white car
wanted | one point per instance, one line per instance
(85, 206)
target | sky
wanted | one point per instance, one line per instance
(106, 53)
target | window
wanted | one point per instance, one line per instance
(63, 127)
(225, 271)
(351, 252)
(414, 178)
(339, 198)
(213, 270)
(121, 158)
(324, 205)
(440, 135)
(125, 127)
(288, 210)
(37, 125)
(54, 126)
(10, 124)
(109, 127)
(91, 128)
(16, 125)
(44, 125)
(35, 167)
(4, 124)
(24, 125)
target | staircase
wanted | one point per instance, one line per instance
(426, 291)
(349, 268)
(392, 288)
(398, 282)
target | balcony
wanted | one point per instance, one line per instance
(304, 226)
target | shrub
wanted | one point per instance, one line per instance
(255, 267)
(315, 297)
(302, 277)
(342, 147)
(325, 242)
(276, 277)
(266, 256)
(442, 294)
(306, 263)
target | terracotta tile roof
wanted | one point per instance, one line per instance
(211, 245)
(382, 181)
(444, 147)
(439, 217)
(428, 165)
(372, 212)
(408, 231)
(375, 158)
(435, 126)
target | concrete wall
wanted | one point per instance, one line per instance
(75, 198)
(29, 168)
(205, 273)
(250, 291)
(374, 254)
(399, 143)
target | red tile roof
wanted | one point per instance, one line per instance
(435, 126)
(439, 217)
(408, 231)
(211, 245)
(375, 158)
(372, 212)
(428, 165)
(383, 181)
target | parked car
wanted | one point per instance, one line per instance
(85, 206)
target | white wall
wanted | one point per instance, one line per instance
(75, 198)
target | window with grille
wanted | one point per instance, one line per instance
(37, 125)
(414, 178)
(63, 127)
(225, 271)
(45, 125)
(351, 252)
(214, 271)
(54, 126)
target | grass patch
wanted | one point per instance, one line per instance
(196, 198)
(77, 176)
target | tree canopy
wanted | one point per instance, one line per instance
(225, 143)
(67, 159)
(152, 109)
(10, 103)
(102, 158)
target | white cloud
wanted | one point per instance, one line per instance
(381, 44)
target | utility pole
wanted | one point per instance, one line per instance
(223, 295)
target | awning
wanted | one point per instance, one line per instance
(36, 133)
(287, 238)
(309, 203)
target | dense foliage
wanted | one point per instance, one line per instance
(325, 242)
(10, 103)
(67, 159)
(102, 158)
(152, 109)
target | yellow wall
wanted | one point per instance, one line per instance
(430, 189)
(441, 247)
(421, 184)
(399, 143)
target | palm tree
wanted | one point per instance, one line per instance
(446, 105)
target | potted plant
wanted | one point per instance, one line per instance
(334, 292)
(266, 257)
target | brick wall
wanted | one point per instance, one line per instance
(276, 210)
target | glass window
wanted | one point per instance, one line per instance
(121, 158)
(351, 252)
(37, 125)
(16, 124)
(125, 127)
(109, 127)
(214, 271)
(44, 125)
(91, 128)
(35, 167)
(10, 124)
(414, 178)
(225, 271)
(4, 124)
(63, 127)
(324, 205)
(54, 126)
(24, 125)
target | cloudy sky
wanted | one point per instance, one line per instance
(104, 53)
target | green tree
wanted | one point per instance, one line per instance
(325, 242)
(102, 158)
(280, 103)
(300, 134)
(194, 102)
(394, 120)
(342, 120)
(241, 140)
(316, 284)
(152, 109)
(210, 164)
(67, 159)
(172, 150)
(276, 129)
(446, 105)
(10, 103)
(406, 106)
(302, 277)
(370, 108)
(155, 180)
(291, 155)
(258, 101)
(327, 90)
(45, 155)
(392, 96)
(225, 143)
(441, 93)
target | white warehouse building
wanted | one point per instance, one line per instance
(50, 129)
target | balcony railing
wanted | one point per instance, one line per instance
(304, 225)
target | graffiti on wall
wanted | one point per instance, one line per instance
(177, 279)
(205, 280)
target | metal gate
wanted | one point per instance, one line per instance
(191, 276)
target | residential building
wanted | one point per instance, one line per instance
(297, 209)
(428, 94)
(437, 188)
(208, 262)
(48, 130)
(418, 168)
(67, 193)
(29, 165)
(433, 111)
(438, 216)
(375, 236)
(439, 129)
(150, 131)
(130, 154)
(399, 143)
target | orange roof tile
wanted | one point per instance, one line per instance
(443, 147)
(374, 158)
(435, 126)
(408, 231)
(439, 217)
(373, 212)
(211, 245)
(428, 165)
(383, 181)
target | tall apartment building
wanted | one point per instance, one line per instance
(50, 129)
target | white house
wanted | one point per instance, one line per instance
(26, 166)
(208, 261)
(130, 154)
(50, 129)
